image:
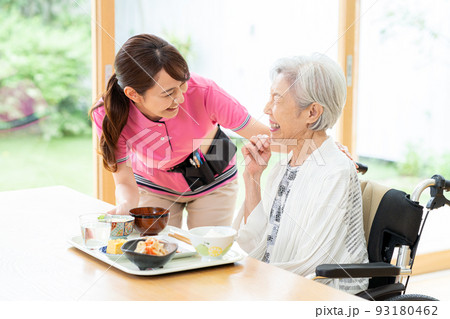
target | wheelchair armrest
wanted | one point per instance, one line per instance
(378, 269)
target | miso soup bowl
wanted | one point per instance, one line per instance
(150, 221)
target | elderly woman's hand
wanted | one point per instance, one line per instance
(256, 155)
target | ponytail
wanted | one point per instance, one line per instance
(137, 62)
(116, 105)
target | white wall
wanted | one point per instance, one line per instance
(404, 89)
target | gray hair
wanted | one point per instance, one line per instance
(315, 78)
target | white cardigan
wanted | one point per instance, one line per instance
(322, 222)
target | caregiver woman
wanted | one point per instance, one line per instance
(160, 136)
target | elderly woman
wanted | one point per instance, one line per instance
(311, 210)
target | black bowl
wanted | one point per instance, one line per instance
(144, 261)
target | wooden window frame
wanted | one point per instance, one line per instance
(348, 57)
(103, 52)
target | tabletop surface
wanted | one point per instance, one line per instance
(37, 263)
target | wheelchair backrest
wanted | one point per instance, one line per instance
(391, 219)
(372, 193)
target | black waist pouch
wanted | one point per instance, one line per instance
(201, 169)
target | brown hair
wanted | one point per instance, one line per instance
(136, 65)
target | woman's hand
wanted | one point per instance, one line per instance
(256, 155)
(122, 209)
(344, 150)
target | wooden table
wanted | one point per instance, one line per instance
(37, 263)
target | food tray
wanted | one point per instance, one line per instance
(187, 259)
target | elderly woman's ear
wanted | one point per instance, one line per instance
(314, 112)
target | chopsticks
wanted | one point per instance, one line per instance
(180, 238)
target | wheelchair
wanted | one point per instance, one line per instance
(393, 225)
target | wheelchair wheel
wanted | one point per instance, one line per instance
(412, 297)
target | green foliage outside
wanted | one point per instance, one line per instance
(46, 45)
(424, 163)
(184, 45)
(30, 161)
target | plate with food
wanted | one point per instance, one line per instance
(113, 249)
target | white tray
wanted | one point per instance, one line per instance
(186, 260)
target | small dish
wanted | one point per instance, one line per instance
(144, 261)
(103, 251)
(121, 225)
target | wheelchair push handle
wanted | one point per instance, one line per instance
(362, 168)
(437, 185)
(447, 185)
(441, 183)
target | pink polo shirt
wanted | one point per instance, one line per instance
(151, 148)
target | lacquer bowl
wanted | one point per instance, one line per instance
(150, 221)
